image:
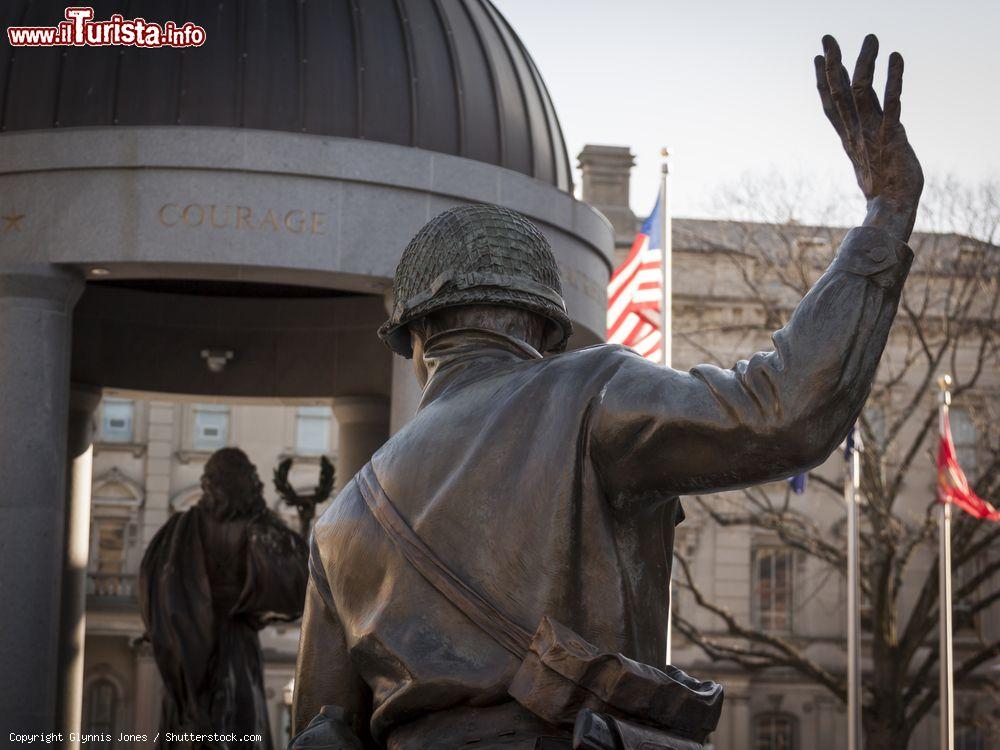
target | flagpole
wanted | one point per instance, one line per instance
(947, 692)
(852, 482)
(666, 304)
(666, 329)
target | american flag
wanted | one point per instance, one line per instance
(636, 289)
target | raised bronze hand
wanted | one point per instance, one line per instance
(887, 169)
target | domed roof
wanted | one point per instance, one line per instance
(445, 75)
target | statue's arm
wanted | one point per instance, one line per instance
(771, 416)
(784, 411)
(324, 674)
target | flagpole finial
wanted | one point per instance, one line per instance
(944, 384)
(665, 154)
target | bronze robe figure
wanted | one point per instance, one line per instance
(210, 579)
(540, 494)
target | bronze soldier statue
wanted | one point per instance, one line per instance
(497, 576)
(211, 578)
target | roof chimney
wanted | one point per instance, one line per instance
(605, 171)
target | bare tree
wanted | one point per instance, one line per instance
(949, 321)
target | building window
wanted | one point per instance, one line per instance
(875, 417)
(312, 430)
(211, 427)
(107, 558)
(868, 597)
(100, 711)
(969, 737)
(865, 563)
(962, 606)
(774, 732)
(772, 592)
(963, 433)
(117, 420)
(971, 258)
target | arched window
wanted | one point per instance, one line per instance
(100, 711)
(113, 537)
(774, 732)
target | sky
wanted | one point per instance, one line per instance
(729, 86)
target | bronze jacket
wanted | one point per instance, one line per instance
(550, 486)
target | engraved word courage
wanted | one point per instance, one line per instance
(242, 218)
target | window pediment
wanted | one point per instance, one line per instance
(114, 489)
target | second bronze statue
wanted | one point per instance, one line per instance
(212, 577)
(498, 575)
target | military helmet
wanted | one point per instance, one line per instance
(477, 255)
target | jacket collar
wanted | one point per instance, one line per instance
(462, 355)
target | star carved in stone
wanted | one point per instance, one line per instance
(12, 221)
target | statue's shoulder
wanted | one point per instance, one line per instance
(346, 506)
(590, 356)
(578, 373)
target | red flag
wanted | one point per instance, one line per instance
(953, 487)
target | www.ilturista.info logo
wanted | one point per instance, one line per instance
(81, 30)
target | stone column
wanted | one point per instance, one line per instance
(406, 393)
(73, 623)
(828, 723)
(733, 732)
(148, 690)
(36, 305)
(740, 722)
(363, 425)
(160, 444)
